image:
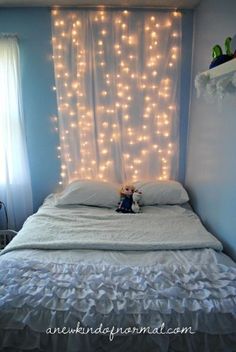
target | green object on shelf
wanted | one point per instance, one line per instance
(228, 50)
(216, 51)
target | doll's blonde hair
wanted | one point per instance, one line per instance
(127, 185)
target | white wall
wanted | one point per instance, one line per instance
(211, 161)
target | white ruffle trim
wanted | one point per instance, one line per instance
(42, 295)
(36, 295)
(218, 87)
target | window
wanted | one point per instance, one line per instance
(15, 188)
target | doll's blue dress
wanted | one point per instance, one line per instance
(125, 205)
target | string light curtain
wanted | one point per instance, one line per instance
(15, 182)
(117, 77)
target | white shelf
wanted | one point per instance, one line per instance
(223, 69)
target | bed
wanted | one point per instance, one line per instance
(85, 278)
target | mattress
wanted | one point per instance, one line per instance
(114, 286)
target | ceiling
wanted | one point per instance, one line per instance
(178, 4)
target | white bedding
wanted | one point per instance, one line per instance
(84, 227)
(54, 288)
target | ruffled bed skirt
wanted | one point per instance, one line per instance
(35, 296)
(29, 341)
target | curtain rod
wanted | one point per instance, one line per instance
(117, 7)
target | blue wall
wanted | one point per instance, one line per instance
(211, 163)
(34, 30)
(186, 62)
(33, 27)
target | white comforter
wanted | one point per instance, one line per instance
(56, 288)
(163, 227)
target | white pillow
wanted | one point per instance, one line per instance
(87, 192)
(161, 192)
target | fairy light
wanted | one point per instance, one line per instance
(145, 134)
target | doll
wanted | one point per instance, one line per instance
(126, 199)
(137, 195)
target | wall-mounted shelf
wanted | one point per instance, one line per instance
(223, 69)
(217, 81)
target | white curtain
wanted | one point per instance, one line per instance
(117, 77)
(15, 185)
